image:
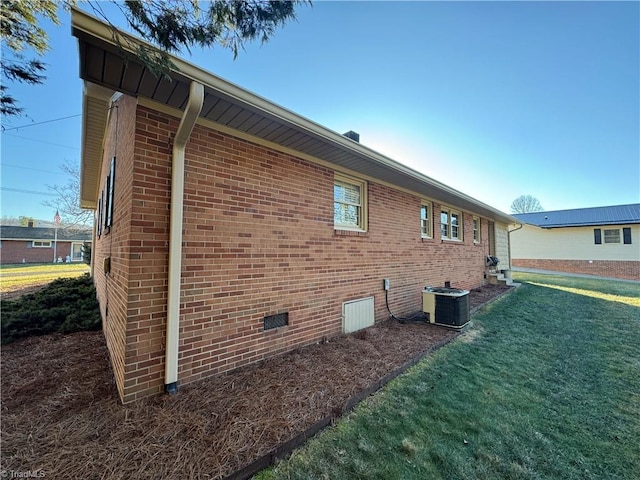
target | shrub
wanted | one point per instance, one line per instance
(65, 305)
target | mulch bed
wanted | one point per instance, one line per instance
(61, 415)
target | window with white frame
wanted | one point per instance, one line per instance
(41, 243)
(444, 223)
(349, 200)
(450, 224)
(612, 235)
(476, 229)
(426, 220)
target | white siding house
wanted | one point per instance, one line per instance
(600, 241)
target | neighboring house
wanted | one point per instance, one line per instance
(38, 244)
(597, 241)
(229, 229)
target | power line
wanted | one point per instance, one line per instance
(40, 123)
(30, 192)
(34, 169)
(42, 141)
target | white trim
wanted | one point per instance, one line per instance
(450, 212)
(474, 229)
(85, 25)
(71, 252)
(604, 236)
(33, 243)
(429, 206)
(361, 205)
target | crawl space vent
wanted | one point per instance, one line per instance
(276, 321)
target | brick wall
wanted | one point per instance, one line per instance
(148, 253)
(113, 288)
(14, 251)
(258, 239)
(629, 270)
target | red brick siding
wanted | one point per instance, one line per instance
(149, 254)
(113, 288)
(15, 251)
(258, 239)
(628, 270)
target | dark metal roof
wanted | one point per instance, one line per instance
(10, 232)
(106, 67)
(615, 215)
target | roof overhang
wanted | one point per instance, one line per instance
(108, 66)
(585, 224)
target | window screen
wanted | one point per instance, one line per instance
(476, 229)
(276, 321)
(612, 235)
(425, 220)
(444, 224)
(347, 204)
(455, 225)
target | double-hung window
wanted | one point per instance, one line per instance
(450, 224)
(612, 235)
(476, 229)
(426, 220)
(444, 224)
(349, 201)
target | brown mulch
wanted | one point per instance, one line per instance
(61, 415)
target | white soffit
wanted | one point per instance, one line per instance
(114, 67)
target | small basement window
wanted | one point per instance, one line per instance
(276, 321)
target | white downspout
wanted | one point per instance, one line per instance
(189, 117)
(509, 239)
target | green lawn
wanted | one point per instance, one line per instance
(23, 275)
(546, 385)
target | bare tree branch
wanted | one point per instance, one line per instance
(526, 204)
(67, 200)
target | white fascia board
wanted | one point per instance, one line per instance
(94, 27)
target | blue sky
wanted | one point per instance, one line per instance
(495, 99)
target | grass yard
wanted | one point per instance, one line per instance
(546, 385)
(17, 277)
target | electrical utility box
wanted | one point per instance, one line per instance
(444, 306)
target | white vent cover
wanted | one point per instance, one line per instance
(357, 314)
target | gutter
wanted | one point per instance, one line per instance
(188, 121)
(86, 26)
(509, 241)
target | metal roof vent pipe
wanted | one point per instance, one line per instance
(352, 135)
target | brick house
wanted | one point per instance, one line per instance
(229, 229)
(38, 244)
(593, 241)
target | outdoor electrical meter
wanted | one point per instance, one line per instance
(448, 307)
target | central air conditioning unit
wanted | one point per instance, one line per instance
(448, 307)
